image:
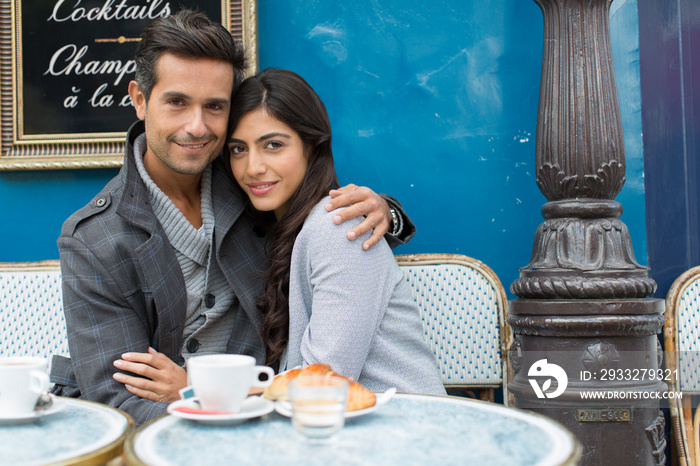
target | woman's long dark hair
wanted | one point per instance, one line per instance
(287, 97)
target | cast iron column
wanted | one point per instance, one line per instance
(583, 298)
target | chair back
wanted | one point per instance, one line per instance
(462, 305)
(32, 322)
(682, 345)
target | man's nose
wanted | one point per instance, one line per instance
(196, 125)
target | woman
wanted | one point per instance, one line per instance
(326, 300)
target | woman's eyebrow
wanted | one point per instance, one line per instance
(262, 138)
(272, 135)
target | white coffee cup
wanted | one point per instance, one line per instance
(22, 380)
(222, 381)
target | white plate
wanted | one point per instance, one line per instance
(55, 407)
(285, 407)
(252, 407)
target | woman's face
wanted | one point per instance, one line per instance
(268, 160)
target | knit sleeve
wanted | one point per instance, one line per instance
(350, 290)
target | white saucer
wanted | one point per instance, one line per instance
(252, 407)
(15, 419)
(285, 407)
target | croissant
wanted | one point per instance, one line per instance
(278, 390)
(358, 396)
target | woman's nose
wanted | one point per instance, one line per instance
(256, 164)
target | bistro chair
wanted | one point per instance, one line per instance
(31, 310)
(682, 345)
(462, 304)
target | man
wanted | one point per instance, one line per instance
(164, 263)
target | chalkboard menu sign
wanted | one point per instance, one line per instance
(64, 100)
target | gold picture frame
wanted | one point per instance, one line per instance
(65, 106)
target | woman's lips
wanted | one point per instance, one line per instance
(262, 188)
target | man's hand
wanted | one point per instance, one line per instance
(361, 201)
(162, 380)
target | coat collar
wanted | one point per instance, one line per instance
(135, 204)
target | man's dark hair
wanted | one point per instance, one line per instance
(186, 34)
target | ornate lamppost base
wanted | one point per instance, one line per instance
(610, 356)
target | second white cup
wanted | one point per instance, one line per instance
(22, 380)
(222, 381)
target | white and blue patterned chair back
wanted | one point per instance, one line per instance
(462, 304)
(687, 316)
(32, 322)
(682, 356)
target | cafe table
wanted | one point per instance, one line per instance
(70, 431)
(409, 429)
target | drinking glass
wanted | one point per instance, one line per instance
(318, 406)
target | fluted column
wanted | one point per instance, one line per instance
(582, 250)
(583, 298)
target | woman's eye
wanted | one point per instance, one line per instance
(236, 150)
(272, 145)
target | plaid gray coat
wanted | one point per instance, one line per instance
(123, 289)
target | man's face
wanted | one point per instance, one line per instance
(186, 115)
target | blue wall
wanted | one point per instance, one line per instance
(434, 105)
(438, 106)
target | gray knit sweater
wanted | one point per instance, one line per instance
(208, 320)
(353, 309)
